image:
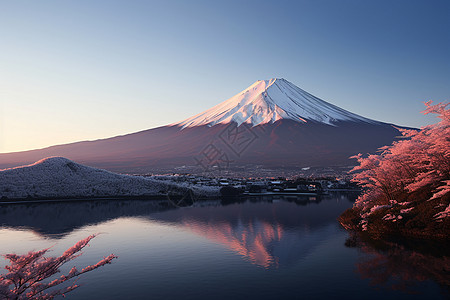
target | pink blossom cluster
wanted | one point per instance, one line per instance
(420, 161)
(26, 273)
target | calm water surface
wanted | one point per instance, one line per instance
(285, 248)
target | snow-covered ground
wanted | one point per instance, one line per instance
(267, 101)
(58, 177)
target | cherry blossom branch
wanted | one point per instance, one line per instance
(27, 272)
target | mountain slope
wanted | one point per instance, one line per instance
(271, 124)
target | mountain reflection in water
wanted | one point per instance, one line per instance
(254, 240)
(265, 231)
(267, 234)
(267, 242)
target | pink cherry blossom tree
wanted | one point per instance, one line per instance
(27, 274)
(418, 163)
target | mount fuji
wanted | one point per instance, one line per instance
(267, 101)
(272, 124)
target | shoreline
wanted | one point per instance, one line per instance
(380, 229)
(161, 197)
(95, 198)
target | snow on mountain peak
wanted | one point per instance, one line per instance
(267, 101)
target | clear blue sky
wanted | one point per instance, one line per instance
(78, 70)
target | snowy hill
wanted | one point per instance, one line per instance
(267, 101)
(58, 177)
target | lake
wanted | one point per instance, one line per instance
(257, 248)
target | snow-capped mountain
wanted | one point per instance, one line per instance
(267, 101)
(58, 177)
(271, 124)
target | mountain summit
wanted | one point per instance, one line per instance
(272, 125)
(267, 101)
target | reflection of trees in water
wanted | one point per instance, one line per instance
(350, 196)
(402, 266)
(302, 200)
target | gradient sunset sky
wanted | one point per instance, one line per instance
(83, 70)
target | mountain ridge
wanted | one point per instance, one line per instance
(267, 101)
(285, 127)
